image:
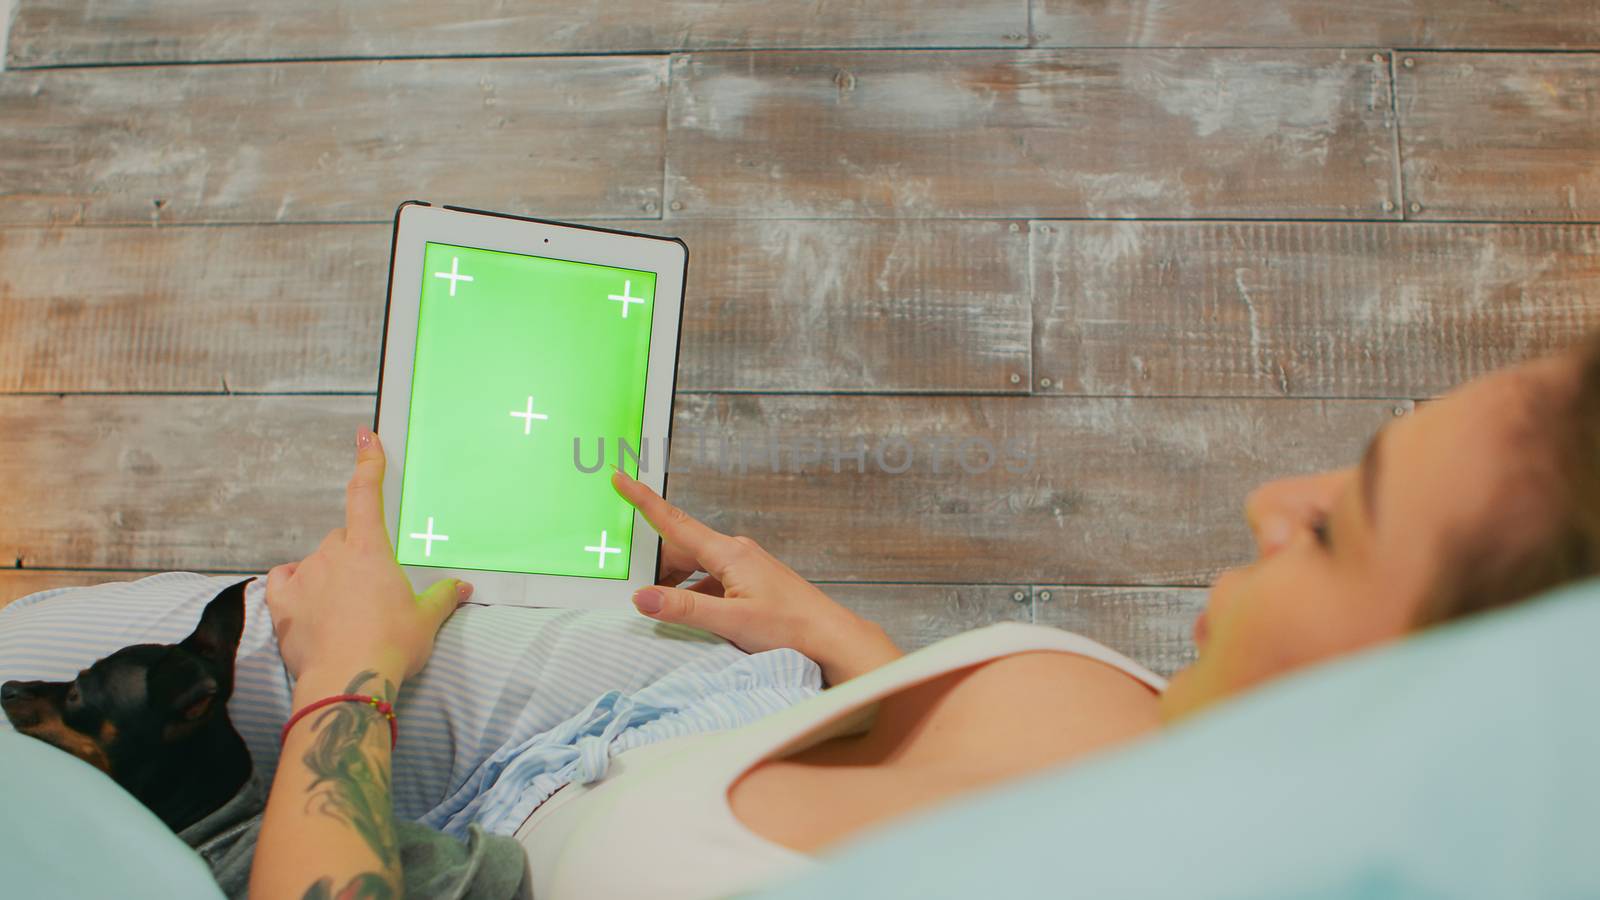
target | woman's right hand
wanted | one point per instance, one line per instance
(748, 596)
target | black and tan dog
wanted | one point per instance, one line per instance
(153, 716)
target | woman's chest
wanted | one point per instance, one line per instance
(959, 732)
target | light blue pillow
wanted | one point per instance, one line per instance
(1458, 764)
(68, 830)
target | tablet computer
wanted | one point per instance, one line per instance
(521, 360)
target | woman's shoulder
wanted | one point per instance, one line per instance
(1009, 638)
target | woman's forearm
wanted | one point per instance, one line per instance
(328, 829)
(846, 645)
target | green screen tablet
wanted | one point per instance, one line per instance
(528, 374)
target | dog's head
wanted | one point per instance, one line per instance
(129, 709)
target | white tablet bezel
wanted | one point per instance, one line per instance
(417, 224)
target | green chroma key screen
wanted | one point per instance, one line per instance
(517, 357)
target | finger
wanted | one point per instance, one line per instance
(363, 496)
(708, 585)
(714, 614)
(277, 579)
(677, 565)
(441, 599)
(709, 547)
(334, 538)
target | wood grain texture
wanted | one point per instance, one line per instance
(18, 583)
(1153, 625)
(856, 306)
(1167, 133)
(1119, 491)
(253, 308)
(332, 141)
(1557, 24)
(70, 32)
(916, 615)
(219, 483)
(1504, 136)
(1302, 309)
(776, 306)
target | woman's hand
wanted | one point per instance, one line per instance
(348, 607)
(748, 596)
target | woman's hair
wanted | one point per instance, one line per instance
(1550, 534)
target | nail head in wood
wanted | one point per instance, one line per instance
(1045, 596)
(1388, 206)
(1015, 378)
(1044, 382)
(676, 206)
(1399, 411)
(1416, 207)
(1019, 597)
(1377, 57)
(1409, 63)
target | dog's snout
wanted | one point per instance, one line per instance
(11, 690)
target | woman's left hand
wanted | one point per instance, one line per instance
(348, 607)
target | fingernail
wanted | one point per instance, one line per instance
(463, 590)
(648, 600)
(364, 437)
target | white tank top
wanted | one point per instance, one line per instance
(659, 827)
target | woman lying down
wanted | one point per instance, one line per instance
(1477, 501)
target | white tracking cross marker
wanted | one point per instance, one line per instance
(429, 537)
(624, 298)
(453, 274)
(528, 417)
(603, 550)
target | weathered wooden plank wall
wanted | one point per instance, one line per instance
(1542, 24)
(171, 144)
(896, 234)
(68, 32)
(1158, 621)
(1501, 136)
(1316, 309)
(1086, 133)
(822, 306)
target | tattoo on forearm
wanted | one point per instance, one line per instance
(366, 886)
(350, 783)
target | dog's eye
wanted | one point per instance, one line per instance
(72, 696)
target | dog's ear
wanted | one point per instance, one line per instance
(216, 638)
(194, 701)
(183, 688)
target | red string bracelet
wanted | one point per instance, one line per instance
(382, 706)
